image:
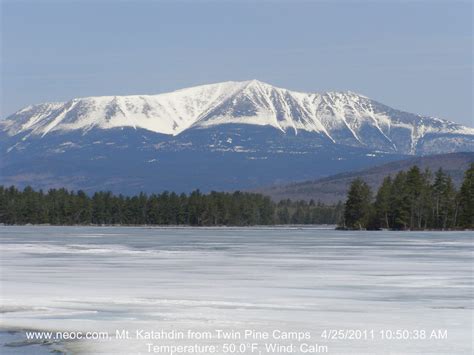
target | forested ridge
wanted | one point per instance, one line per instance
(411, 200)
(63, 207)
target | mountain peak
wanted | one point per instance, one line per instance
(340, 117)
(256, 82)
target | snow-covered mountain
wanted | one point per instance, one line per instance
(341, 117)
(229, 135)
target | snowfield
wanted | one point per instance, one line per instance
(306, 288)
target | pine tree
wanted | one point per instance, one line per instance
(358, 205)
(382, 204)
(444, 200)
(414, 184)
(426, 201)
(466, 200)
(400, 202)
(283, 215)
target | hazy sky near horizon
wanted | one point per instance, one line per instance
(415, 56)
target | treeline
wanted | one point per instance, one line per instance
(63, 207)
(412, 200)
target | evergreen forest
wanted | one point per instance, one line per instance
(411, 200)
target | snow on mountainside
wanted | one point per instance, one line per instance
(342, 118)
(169, 113)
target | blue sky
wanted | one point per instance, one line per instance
(416, 56)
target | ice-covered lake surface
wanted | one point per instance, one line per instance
(389, 286)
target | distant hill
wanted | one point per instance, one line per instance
(333, 188)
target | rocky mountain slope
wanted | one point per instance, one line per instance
(336, 117)
(231, 135)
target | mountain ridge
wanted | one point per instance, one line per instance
(225, 136)
(332, 189)
(342, 117)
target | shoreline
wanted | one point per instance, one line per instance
(232, 227)
(150, 226)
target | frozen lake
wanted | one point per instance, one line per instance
(382, 290)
